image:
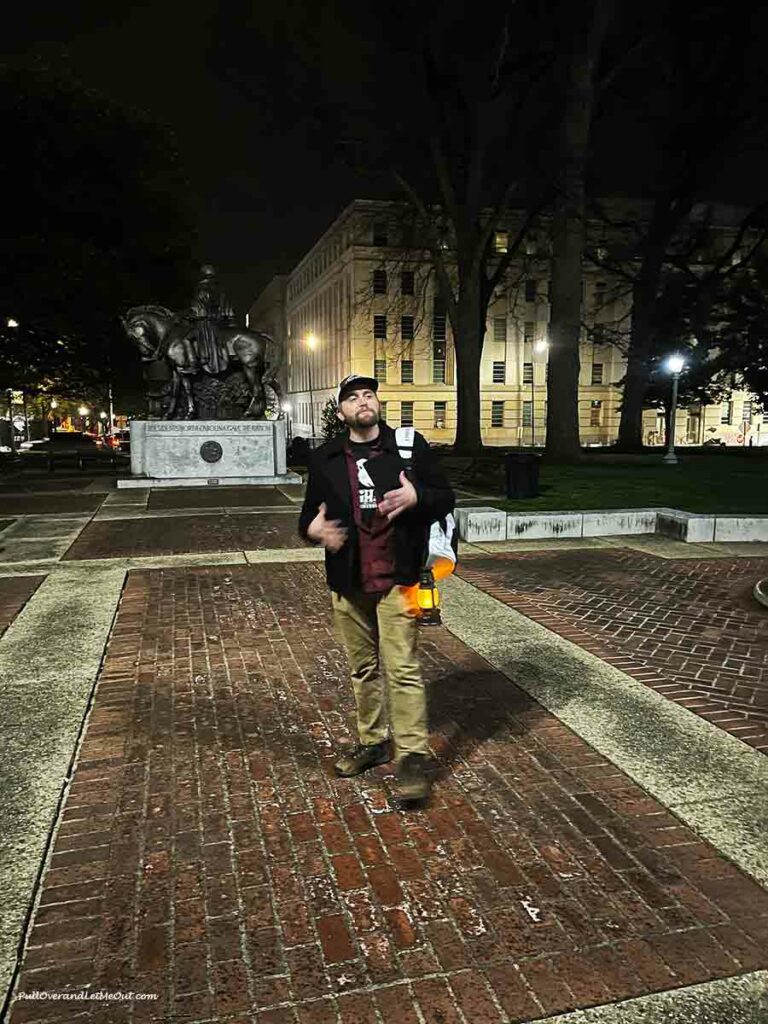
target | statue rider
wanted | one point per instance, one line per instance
(210, 308)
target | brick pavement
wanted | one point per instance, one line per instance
(207, 853)
(14, 594)
(217, 497)
(43, 504)
(174, 535)
(688, 629)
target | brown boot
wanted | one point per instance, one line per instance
(413, 784)
(363, 757)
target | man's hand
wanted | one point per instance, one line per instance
(395, 502)
(327, 532)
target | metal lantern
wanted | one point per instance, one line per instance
(428, 599)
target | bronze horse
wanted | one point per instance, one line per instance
(161, 335)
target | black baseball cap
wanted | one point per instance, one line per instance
(352, 383)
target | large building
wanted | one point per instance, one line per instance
(363, 300)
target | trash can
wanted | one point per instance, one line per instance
(522, 474)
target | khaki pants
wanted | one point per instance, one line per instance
(373, 626)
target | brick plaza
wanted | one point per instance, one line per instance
(202, 850)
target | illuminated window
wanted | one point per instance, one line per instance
(439, 420)
(499, 373)
(527, 373)
(497, 414)
(597, 373)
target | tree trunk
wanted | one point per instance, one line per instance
(568, 235)
(640, 342)
(468, 343)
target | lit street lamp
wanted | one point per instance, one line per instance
(311, 346)
(12, 322)
(541, 346)
(675, 365)
(286, 407)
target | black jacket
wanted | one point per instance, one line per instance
(329, 482)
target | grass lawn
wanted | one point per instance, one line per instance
(700, 483)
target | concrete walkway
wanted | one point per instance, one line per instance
(571, 855)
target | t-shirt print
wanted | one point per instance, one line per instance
(366, 493)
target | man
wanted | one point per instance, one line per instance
(375, 540)
(210, 308)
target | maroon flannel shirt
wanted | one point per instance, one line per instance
(375, 539)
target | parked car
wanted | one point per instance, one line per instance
(121, 441)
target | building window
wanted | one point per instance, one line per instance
(497, 414)
(765, 415)
(380, 326)
(527, 373)
(406, 372)
(383, 411)
(746, 412)
(439, 421)
(380, 370)
(595, 414)
(599, 293)
(438, 326)
(499, 373)
(406, 328)
(379, 282)
(380, 234)
(529, 328)
(530, 291)
(438, 362)
(406, 282)
(500, 328)
(597, 373)
(501, 241)
(528, 414)
(406, 414)
(726, 412)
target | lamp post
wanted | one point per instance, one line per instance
(311, 346)
(83, 411)
(540, 346)
(675, 366)
(286, 407)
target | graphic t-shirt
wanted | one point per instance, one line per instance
(361, 451)
(375, 533)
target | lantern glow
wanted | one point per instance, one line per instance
(428, 598)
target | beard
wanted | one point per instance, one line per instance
(363, 418)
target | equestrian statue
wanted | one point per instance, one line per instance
(203, 346)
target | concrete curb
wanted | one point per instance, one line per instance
(486, 523)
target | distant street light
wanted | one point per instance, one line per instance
(540, 346)
(83, 410)
(286, 407)
(675, 365)
(311, 346)
(54, 404)
(12, 322)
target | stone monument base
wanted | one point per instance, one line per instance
(203, 453)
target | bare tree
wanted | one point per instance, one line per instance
(707, 104)
(587, 29)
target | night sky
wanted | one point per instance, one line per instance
(262, 195)
(225, 77)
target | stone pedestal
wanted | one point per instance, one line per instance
(201, 453)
